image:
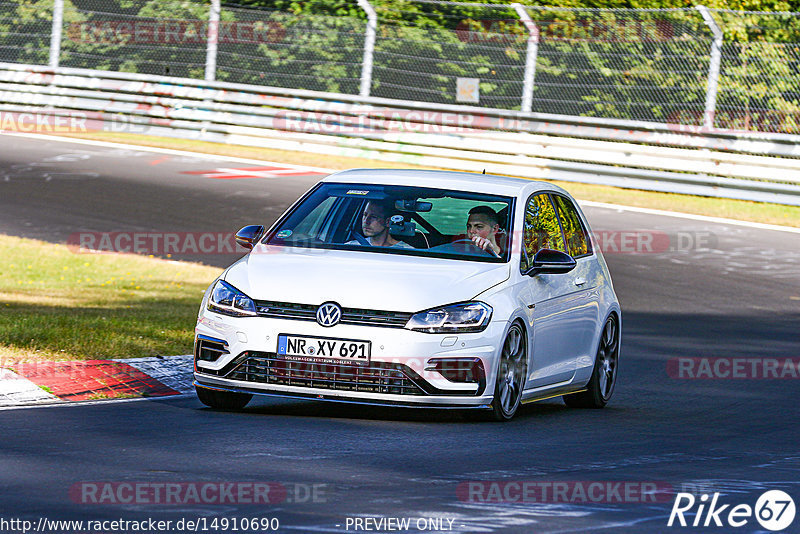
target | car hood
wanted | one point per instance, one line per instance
(361, 279)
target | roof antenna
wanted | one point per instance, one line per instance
(484, 171)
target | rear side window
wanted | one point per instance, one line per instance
(574, 232)
(540, 229)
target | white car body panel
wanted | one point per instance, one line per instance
(360, 279)
(562, 320)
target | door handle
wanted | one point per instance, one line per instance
(580, 281)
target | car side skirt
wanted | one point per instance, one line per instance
(548, 392)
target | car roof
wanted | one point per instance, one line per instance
(454, 180)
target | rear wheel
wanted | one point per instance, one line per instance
(510, 375)
(222, 400)
(604, 376)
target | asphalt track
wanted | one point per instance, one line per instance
(717, 291)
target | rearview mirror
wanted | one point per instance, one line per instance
(249, 235)
(548, 261)
(413, 205)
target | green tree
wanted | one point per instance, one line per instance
(25, 31)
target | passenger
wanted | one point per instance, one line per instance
(483, 225)
(375, 225)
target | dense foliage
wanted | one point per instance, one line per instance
(633, 64)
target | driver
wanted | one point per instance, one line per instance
(375, 225)
(483, 224)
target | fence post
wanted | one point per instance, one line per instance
(55, 35)
(213, 40)
(369, 47)
(530, 56)
(713, 67)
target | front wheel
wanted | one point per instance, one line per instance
(604, 375)
(511, 375)
(222, 400)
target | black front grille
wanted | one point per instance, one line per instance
(286, 310)
(377, 377)
(374, 317)
(355, 316)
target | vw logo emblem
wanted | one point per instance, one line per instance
(329, 314)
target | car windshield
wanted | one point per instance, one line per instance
(392, 219)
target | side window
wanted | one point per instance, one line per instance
(578, 242)
(310, 226)
(540, 229)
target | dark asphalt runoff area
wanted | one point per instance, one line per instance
(715, 291)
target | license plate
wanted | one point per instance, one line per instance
(327, 350)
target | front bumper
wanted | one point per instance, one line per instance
(400, 371)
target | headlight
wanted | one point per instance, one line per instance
(228, 300)
(464, 317)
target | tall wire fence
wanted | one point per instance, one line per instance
(649, 65)
(268, 47)
(136, 40)
(657, 65)
(423, 49)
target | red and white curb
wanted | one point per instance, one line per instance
(174, 372)
(59, 382)
(15, 389)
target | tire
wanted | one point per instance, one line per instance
(511, 375)
(222, 400)
(604, 375)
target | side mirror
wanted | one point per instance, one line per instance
(548, 261)
(249, 235)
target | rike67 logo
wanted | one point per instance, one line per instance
(774, 510)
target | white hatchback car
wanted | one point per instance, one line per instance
(415, 288)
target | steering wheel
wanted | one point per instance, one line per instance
(471, 242)
(361, 239)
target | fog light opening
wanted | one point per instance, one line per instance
(209, 349)
(459, 370)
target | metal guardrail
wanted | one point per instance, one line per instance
(650, 156)
(705, 67)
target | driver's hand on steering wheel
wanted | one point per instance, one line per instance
(485, 244)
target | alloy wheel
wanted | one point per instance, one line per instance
(511, 375)
(604, 375)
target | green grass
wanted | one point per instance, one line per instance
(714, 207)
(59, 305)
